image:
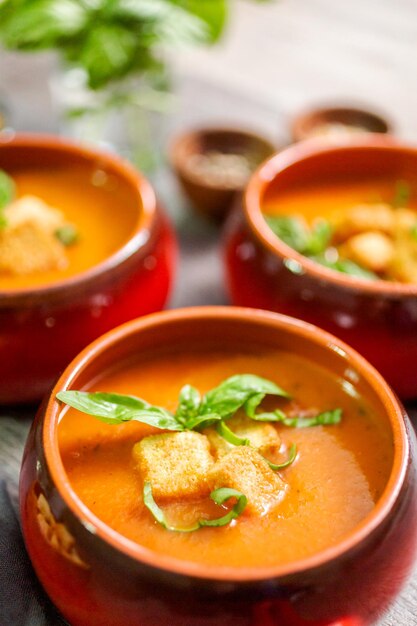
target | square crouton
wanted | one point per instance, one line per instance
(245, 470)
(263, 437)
(176, 464)
(27, 242)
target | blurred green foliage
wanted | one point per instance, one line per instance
(110, 39)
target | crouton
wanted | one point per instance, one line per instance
(28, 242)
(176, 464)
(262, 436)
(245, 470)
(362, 218)
(372, 250)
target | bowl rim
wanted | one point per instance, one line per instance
(178, 162)
(122, 169)
(371, 522)
(314, 113)
(291, 156)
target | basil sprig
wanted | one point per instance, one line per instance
(7, 194)
(193, 412)
(219, 496)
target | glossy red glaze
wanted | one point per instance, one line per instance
(119, 583)
(42, 329)
(377, 318)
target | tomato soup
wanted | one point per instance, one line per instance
(100, 205)
(338, 475)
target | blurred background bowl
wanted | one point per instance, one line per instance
(377, 317)
(336, 122)
(214, 164)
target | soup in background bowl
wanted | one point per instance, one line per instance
(301, 246)
(264, 481)
(83, 247)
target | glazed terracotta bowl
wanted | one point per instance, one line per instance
(43, 328)
(378, 318)
(117, 582)
(210, 198)
(331, 122)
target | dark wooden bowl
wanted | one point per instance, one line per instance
(307, 124)
(214, 200)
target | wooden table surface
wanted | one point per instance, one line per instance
(277, 59)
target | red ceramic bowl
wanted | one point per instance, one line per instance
(378, 318)
(42, 329)
(119, 583)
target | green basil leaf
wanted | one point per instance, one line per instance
(234, 392)
(107, 53)
(113, 408)
(7, 194)
(270, 416)
(38, 24)
(202, 421)
(227, 434)
(211, 12)
(219, 496)
(322, 419)
(67, 235)
(402, 194)
(319, 239)
(291, 230)
(345, 266)
(292, 455)
(189, 403)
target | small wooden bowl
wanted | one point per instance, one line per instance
(209, 199)
(307, 125)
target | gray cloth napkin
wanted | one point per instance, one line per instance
(22, 599)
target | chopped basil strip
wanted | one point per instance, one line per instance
(7, 194)
(294, 231)
(292, 455)
(322, 419)
(219, 496)
(227, 434)
(67, 235)
(402, 194)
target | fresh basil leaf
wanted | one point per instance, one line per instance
(402, 194)
(7, 194)
(319, 238)
(38, 24)
(68, 235)
(212, 12)
(219, 496)
(345, 266)
(108, 52)
(291, 230)
(113, 408)
(227, 434)
(292, 455)
(202, 421)
(322, 419)
(189, 403)
(234, 392)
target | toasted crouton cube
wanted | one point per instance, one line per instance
(27, 242)
(362, 218)
(176, 464)
(372, 250)
(262, 436)
(245, 470)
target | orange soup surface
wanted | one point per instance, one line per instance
(100, 206)
(313, 200)
(339, 474)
